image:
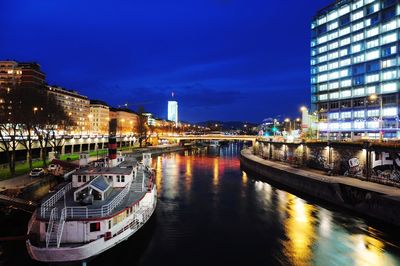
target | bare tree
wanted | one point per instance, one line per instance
(142, 127)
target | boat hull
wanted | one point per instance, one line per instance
(86, 251)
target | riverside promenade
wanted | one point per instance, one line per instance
(366, 198)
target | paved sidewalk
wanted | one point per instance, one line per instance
(389, 191)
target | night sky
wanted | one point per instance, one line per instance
(224, 59)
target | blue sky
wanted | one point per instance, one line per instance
(224, 59)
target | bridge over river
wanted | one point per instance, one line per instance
(211, 137)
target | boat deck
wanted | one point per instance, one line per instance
(117, 200)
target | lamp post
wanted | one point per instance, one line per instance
(373, 98)
(287, 120)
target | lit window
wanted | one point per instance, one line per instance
(334, 116)
(360, 58)
(334, 95)
(372, 78)
(345, 41)
(372, 32)
(373, 124)
(389, 26)
(356, 48)
(333, 15)
(333, 25)
(371, 89)
(357, 4)
(345, 62)
(357, 15)
(322, 20)
(343, 52)
(324, 58)
(389, 38)
(345, 115)
(344, 73)
(345, 94)
(322, 78)
(322, 49)
(322, 68)
(359, 114)
(392, 111)
(359, 124)
(323, 97)
(387, 75)
(346, 83)
(344, 31)
(323, 87)
(373, 43)
(359, 92)
(322, 39)
(334, 75)
(344, 10)
(389, 63)
(333, 65)
(372, 113)
(358, 26)
(358, 37)
(345, 125)
(389, 87)
(333, 35)
(333, 85)
(372, 55)
(333, 45)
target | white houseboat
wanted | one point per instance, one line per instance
(102, 206)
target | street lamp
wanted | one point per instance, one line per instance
(373, 98)
(287, 120)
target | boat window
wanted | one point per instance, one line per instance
(118, 178)
(94, 227)
(84, 178)
(79, 178)
(122, 178)
(109, 224)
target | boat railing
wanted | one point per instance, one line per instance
(105, 210)
(49, 203)
(53, 217)
(61, 223)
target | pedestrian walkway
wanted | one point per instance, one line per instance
(392, 192)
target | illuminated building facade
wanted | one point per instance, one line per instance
(127, 121)
(22, 74)
(76, 106)
(355, 69)
(173, 111)
(99, 117)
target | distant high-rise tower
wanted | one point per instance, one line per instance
(173, 110)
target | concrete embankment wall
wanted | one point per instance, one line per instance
(366, 202)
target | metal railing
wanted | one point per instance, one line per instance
(53, 217)
(48, 204)
(105, 210)
(60, 228)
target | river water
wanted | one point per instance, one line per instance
(210, 212)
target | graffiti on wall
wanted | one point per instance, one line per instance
(318, 158)
(386, 165)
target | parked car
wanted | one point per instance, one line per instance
(52, 167)
(36, 172)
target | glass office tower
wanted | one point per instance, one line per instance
(355, 69)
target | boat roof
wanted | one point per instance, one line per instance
(100, 183)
